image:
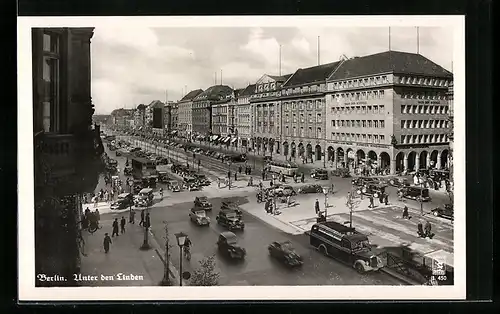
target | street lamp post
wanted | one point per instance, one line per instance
(325, 192)
(181, 240)
(229, 173)
(324, 159)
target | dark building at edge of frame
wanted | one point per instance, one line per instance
(67, 146)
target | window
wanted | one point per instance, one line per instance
(375, 124)
(50, 76)
(382, 109)
(301, 105)
(364, 124)
(310, 118)
(333, 123)
(369, 123)
(318, 117)
(382, 123)
(302, 118)
(301, 131)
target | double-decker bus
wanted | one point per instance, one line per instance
(285, 167)
(143, 167)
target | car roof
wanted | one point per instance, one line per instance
(146, 190)
(228, 234)
(202, 197)
(124, 195)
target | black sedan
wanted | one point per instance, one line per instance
(285, 253)
(445, 212)
(311, 188)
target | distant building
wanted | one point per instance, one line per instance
(185, 113)
(202, 107)
(244, 115)
(140, 116)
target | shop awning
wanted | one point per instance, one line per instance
(215, 137)
(226, 139)
(233, 140)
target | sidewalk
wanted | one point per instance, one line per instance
(125, 264)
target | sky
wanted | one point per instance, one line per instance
(132, 66)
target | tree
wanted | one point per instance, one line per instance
(352, 202)
(166, 277)
(206, 274)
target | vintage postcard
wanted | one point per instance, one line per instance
(241, 158)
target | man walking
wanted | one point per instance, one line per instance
(316, 206)
(405, 213)
(106, 242)
(240, 169)
(235, 176)
(132, 216)
(302, 177)
(122, 225)
(115, 227)
(147, 223)
(141, 223)
(371, 202)
(427, 229)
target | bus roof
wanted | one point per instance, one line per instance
(143, 160)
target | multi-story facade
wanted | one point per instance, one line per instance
(67, 147)
(244, 116)
(451, 126)
(167, 117)
(266, 110)
(174, 117)
(303, 113)
(219, 118)
(202, 108)
(185, 113)
(120, 117)
(140, 116)
(388, 111)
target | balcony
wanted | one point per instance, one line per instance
(67, 164)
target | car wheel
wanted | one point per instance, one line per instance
(359, 268)
(364, 190)
(375, 195)
(435, 213)
(391, 182)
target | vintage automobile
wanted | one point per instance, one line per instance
(125, 200)
(163, 177)
(415, 193)
(398, 182)
(230, 219)
(285, 253)
(137, 186)
(341, 172)
(228, 245)
(113, 162)
(284, 190)
(319, 174)
(230, 205)
(439, 175)
(145, 198)
(371, 189)
(191, 184)
(202, 202)
(202, 179)
(199, 216)
(310, 188)
(345, 244)
(445, 212)
(360, 181)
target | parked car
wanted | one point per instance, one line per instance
(371, 189)
(319, 174)
(341, 172)
(285, 253)
(415, 193)
(202, 179)
(398, 182)
(446, 211)
(230, 219)
(228, 245)
(360, 181)
(202, 202)
(191, 184)
(125, 200)
(311, 188)
(199, 217)
(284, 190)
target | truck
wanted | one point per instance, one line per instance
(143, 168)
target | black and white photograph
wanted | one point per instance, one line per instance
(287, 157)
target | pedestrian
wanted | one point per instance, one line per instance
(316, 206)
(95, 201)
(106, 242)
(229, 174)
(371, 202)
(261, 185)
(420, 230)
(141, 223)
(400, 196)
(266, 206)
(381, 198)
(428, 229)
(295, 177)
(263, 175)
(386, 199)
(235, 176)
(97, 215)
(148, 221)
(132, 216)
(161, 193)
(240, 169)
(302, 177)
(122, 225)
(288, 200)
(115, 227)
(405, 213)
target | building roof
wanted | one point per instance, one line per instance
(281, 78)
(215, 92)
(191, 95)
(156, 104)
(389, 62)
(312, 74)
(249, 90)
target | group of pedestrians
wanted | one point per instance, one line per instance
(118, 227)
